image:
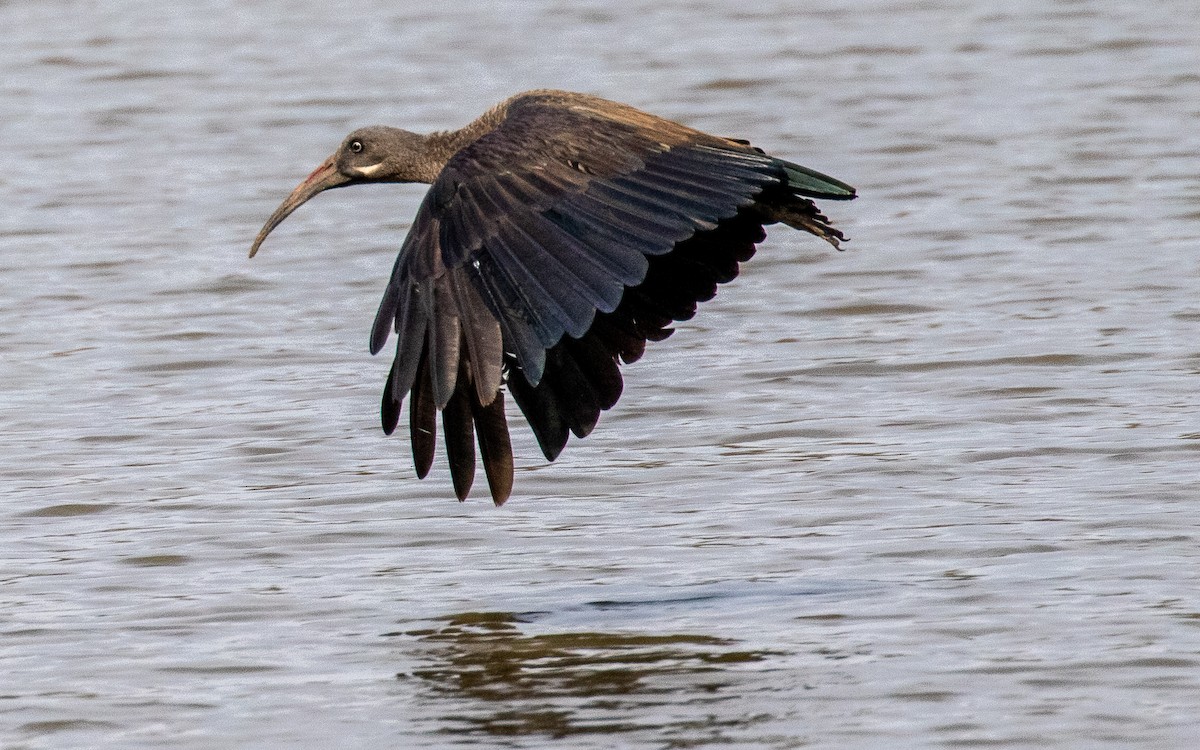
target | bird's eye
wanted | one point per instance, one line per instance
(355, 147)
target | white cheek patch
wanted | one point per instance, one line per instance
(368, 170)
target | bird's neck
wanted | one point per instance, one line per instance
(436, 151)
(440, 146)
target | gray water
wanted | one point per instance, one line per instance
(937, 490)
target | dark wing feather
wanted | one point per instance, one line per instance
(481, 335)
(673, 285)
(553, 247)
(422, 422)
(495, 450)
(458, 426)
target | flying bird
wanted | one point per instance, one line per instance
(560, 234)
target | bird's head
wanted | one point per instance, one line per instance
(373, 154)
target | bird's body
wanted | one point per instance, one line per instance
(561, 232)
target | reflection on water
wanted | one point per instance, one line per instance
(502, 681)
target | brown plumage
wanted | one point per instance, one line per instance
(561, 232)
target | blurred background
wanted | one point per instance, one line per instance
(936, 490)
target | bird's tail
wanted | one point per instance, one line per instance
(812, 184)
(790, 202)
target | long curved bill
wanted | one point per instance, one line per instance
(323, 177)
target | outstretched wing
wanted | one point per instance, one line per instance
(523, 254)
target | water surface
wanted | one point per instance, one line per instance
(936, 490)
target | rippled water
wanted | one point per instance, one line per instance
(940, 489)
